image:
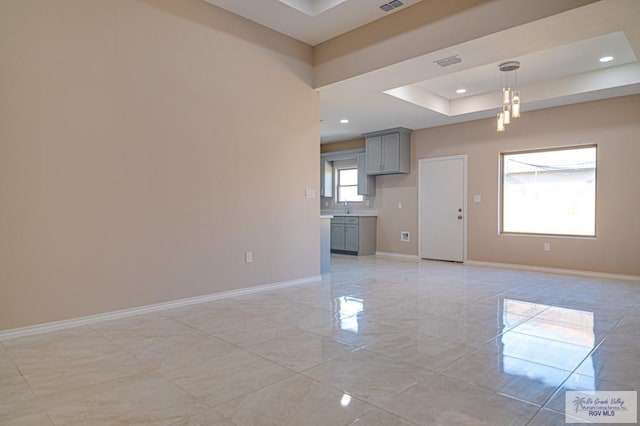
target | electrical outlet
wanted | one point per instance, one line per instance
(248, 257)
(547, 246)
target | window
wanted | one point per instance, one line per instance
(348, 185)
(550, 192)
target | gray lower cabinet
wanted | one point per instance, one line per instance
(338, 236)
(325, 244)
(353, 235)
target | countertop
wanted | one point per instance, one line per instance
(356, 213)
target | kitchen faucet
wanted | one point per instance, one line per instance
(347, 207)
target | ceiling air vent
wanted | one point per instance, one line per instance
(391, 5)
(451, 60)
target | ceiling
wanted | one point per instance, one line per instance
(310, 21)
(559, 57)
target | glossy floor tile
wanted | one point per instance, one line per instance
(295, 401)
(518, 378)
(225, 377)
(432, 353)
(300, 350)
(18, 403)
(440, 400)
(142, 398)
(377, 341)
(582, 383)
(376, 417)
(367, 375)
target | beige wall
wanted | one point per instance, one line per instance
(612, 124)
(144, 147)
(346, 145)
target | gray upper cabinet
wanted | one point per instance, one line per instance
(366, 183)
(326, 178)
(373, 154)
(388, 151)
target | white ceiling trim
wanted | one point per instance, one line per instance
(310, 21)
(312, 7)
(575, 69)
(609, 78)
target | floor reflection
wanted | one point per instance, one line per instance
(348, 309)
(564, 339)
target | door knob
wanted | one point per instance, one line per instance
(459, 216)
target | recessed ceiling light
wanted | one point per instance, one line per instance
(606, 59)
(344, 121)
(461, 91)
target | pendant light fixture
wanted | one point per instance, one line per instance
(510, 94)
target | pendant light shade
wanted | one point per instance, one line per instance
(506, 96)
(510, 95)
(500, 123)
(515, 104)
(506, 113)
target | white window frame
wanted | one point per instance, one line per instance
(338, 186)
(501, 206)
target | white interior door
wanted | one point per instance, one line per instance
(442, 204)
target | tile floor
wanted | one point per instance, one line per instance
(377, 342)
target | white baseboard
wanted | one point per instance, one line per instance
(397, 255)
(590, 274)
(91, 319)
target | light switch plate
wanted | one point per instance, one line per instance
(310, 193)
(477, 198)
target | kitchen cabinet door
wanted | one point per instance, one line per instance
(366, 183)
(351, 238)
(391, 153)
(374, 155)
(337, 236)
(326, 178)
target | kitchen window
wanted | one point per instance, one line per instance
(549, 192)
(347, 184)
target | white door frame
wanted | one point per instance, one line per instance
(421, 164)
